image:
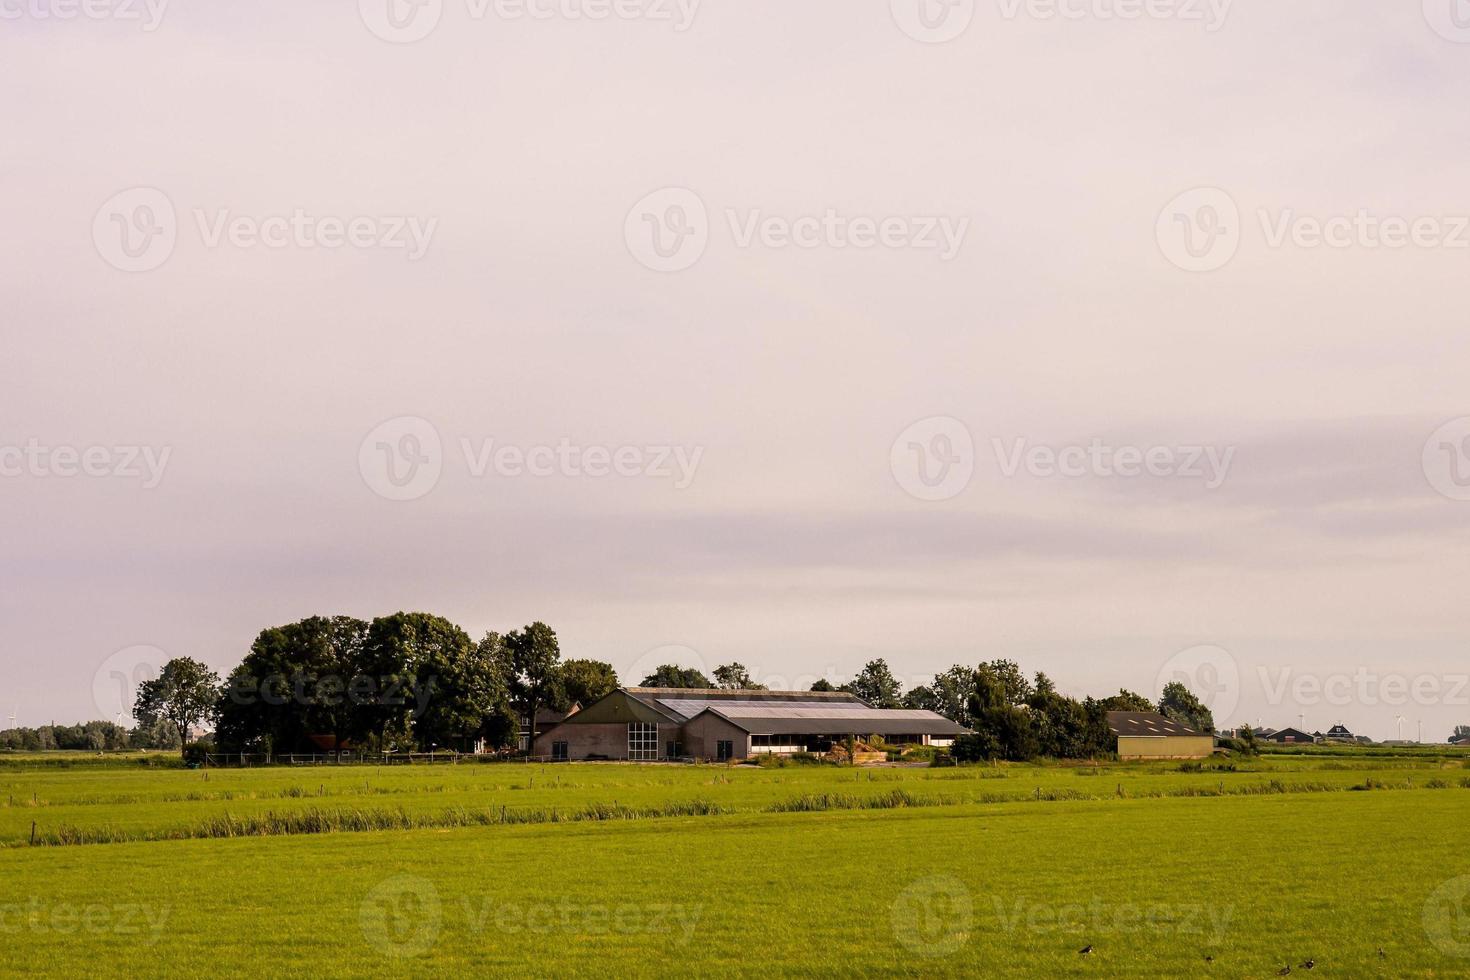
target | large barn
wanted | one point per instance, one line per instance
(646, 724)
(1150, 735)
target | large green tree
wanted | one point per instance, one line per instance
(336, 691)
(460, 692)
(257, 709)
(184, 693)
(1065, 727)
(948, 695)
(387, 659)
(1126, 700)
(876, 685)
(734, 677)
(1179, 704)
(533, 657)
(674, 676)
(311, 677)
(1017, 690)
(1002, 730)
(585, 681)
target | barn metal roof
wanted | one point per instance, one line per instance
(720, 694)
(689, 707)
(791, 712)
(1136, 723)
(765, 719)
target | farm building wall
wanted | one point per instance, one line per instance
(1165, 746)
(702, 733)
(608, 740)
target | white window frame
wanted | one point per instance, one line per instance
(642, 741)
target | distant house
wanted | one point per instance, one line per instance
(545, 718)
(1150, 735)
(647, 724)
(1460, 739)
(1291, 736)
(1337, 733)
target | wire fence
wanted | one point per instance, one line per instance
(253, 759)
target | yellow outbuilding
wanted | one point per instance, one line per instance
(1149, 735)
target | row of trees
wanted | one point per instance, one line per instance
(1011, 717)
(405, 681)
(97, 736)
(417, 681)
(1018, 719)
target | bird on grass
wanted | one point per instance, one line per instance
(1381, 954)
(1308, 964)
(1085, 950)
(1284, 970)
(1209, 958)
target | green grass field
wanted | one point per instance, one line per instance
(951, 872)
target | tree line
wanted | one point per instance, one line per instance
(416, 681)
(97, 736)
(1009, 716)
(405, 682)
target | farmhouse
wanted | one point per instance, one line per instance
(645, 724)
(1149, 735)
(545, 718)
(1291, 736)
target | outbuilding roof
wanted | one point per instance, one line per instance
(1145, 723)
(807, 719)
(719, 694)
(794, 712)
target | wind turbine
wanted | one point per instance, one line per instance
(1421, 731)
(1401, 728)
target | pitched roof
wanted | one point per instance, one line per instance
(650, 694)
(1145, 723)
(1295, 734)
(818, 719)
(793, 712)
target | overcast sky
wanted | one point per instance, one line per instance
(824, 441)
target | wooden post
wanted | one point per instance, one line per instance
(33, 833)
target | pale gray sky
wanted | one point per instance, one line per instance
(519, 147)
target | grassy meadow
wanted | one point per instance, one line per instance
(1355, 862)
